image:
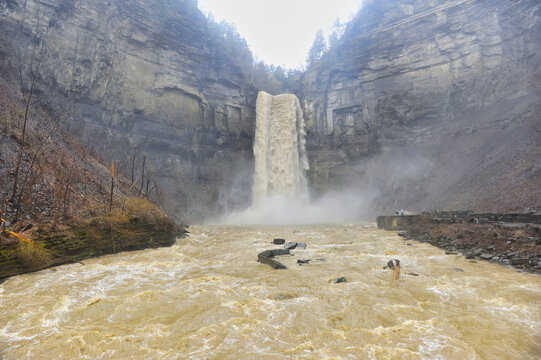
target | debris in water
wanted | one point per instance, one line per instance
(394, 265)
(284, 297)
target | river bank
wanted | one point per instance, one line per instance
(507, 239)
(139, 225)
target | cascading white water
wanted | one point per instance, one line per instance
(280, 188)
(279, 149)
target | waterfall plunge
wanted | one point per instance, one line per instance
(280, 190)
(280, 155)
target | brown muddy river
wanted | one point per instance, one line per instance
(208, 298)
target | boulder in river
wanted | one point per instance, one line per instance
(278, 252)
(266, 256)
(290, 245)
(520, 261)
(293, 245)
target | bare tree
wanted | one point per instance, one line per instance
(28, 80)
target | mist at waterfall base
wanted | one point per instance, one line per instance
(332, 208)
(280, 192)
(358, 199)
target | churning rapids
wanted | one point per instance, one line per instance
(208, 298)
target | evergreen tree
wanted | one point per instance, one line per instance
(338, 29)
(319, 47)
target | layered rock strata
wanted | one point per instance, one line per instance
(431, 104)
(147, 74)
(422, 104)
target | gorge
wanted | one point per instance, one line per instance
(422, 104)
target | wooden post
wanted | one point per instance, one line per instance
(133, 164)
(396, 270)
(143, 174)
(112, 185)
(2, 221)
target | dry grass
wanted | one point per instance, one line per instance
(133, 210)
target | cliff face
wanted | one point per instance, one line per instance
(148, 74)
(431, 104)
(422, 103)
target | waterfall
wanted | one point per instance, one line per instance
(279, 149)
(280, 188)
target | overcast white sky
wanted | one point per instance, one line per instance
(280, 32)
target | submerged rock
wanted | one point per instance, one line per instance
(272, 263)
(341, 279)
(290, 245)
(280, 297)
(278, 241)
(273, 253)
(266, 256)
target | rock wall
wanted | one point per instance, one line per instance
(422, 104)
(149, 74)
(80, 243)
(428, 104)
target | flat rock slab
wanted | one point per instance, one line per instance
(519, 261)
(293, 245)
(272, 263)
(273, 253)
(266, 257)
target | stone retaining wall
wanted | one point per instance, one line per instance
(408, 222)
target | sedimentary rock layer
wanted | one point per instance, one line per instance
(431, 104)
(149, 74)
(421, 104)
